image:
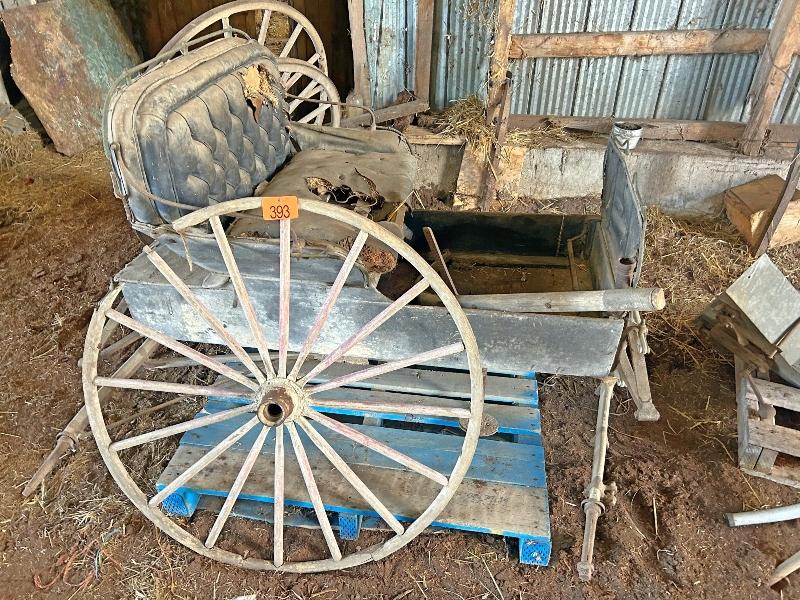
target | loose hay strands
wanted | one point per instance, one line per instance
(694, 261)
(17, 148)
(467, 119)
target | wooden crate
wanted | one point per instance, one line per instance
(768, 449)
(504, 492)
(748, 207)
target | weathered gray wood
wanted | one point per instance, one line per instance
(487, 506)
(388, 114)
(748, 454)
(509, 343)
(619, 300)
(774, 437)
(447, 384)
(776, 394)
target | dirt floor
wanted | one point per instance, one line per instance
(63, 236)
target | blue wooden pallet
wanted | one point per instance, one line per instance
(504, 491)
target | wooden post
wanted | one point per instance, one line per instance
(771, 74)
(499, 62)
(422, 70)
(495, 153)
(789, 190)
(361, 81)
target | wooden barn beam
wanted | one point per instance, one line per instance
(638, 43)
(660, 129)
(771, 74)
(498, 67)
(361, 80)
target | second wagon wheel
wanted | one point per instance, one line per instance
(277, 25)
(308, 89)
(279, 422)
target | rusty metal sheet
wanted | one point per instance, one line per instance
(65, 54)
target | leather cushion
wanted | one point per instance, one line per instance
(188, 131)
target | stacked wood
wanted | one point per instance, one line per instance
(758, 320)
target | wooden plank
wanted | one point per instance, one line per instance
(637, 43)
(770, 74)
(425, 382)
(498, 65)
(471, 176)
(509, 343)
(748, 206)
(517, 420)
(422, 67)
(484, 506)
(747, 454)
(777, 394)
(389, 113)
(361, 79)
(425, 137)
(785, 475)
(774, 437)
(660, 129)
(498, 461)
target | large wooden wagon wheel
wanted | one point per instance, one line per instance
(279, 402)
(264, 12)
(313, 90)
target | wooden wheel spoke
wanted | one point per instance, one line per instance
(377, 446)
(138, 440)
(307, 92)
(398, 408)
(316, 113)
(201, 308)
(333, 295)
(277, 527)
(388, 367)
(181, 348)
(241, 293)
(262, 30)
(289, 80)
(313, 492)
(298, 29)
(236, 488)
(283, 300)
(168, 387)
(354, 339)
(203, 462)
(321, 113)
(350, 476)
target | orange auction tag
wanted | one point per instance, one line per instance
(277, 208)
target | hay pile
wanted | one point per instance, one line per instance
(467, 119)
(694, 261)
(17, 148)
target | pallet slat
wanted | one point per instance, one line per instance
(498, 461)
(481, 506)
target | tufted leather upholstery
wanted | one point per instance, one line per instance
(187, 130)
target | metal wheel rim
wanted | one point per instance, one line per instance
(223, 13)
(121, 474)
(292, 70)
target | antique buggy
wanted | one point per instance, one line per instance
(283, 259)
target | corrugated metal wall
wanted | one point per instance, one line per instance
(712, 87)
(708, 87)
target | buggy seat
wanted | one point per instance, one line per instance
(211, 125)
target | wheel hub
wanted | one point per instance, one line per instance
(280, 401)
